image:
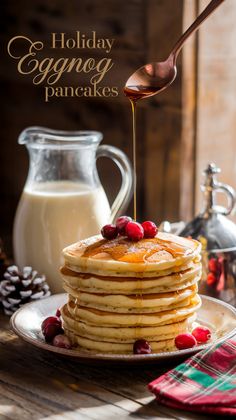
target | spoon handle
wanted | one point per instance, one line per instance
(195, 25)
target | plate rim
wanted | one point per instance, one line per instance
(117, 357)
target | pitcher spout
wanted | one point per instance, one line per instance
(40, 137)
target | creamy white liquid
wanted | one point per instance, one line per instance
(51, 216)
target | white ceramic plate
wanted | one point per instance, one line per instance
(26, 322)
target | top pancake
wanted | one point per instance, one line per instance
(121, 256)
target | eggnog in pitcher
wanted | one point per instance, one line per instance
(63, 200)
(52, 215)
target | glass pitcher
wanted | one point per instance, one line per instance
(63, 200)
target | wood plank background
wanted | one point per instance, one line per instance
(144, 30)
(216, 101)
(177, 130)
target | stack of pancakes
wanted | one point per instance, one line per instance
(121, 291)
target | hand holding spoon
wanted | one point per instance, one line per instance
(155, 77)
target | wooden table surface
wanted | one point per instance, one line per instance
(36, 384)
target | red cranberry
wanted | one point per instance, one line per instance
(214, 265)
(58, 313)
(142, 347)
(109, 231)
(134, 231)
(150, 229)
(51, 320)
(211, 279)
(62, 341)
(202, 334)
(121, 223)
(51, 330)
(185, 341)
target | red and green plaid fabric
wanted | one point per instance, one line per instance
(205, 383)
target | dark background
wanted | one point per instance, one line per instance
(139, 39)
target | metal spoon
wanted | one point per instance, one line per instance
(155, 77)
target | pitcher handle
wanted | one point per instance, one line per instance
(230, 194)
(125, 193)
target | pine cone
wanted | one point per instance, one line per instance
(19, 288)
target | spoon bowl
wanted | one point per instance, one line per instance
(151, 79)
(154, 77)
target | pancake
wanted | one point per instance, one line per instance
(100, 256)
(120, 348)
(106, 318)
(123, 285)
(131, 303)
(124, 334)
(120, 291)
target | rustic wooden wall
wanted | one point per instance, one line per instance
(170, 117)
(216, 111)
(144, 30)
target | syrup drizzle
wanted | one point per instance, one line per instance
(140, 92)
(122, 249)
(133, 107)
(133, 98)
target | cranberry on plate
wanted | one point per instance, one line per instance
(62, 341)
(202, 334)
(51, 330)
(50, 320)
(142, 347)
(185, 341)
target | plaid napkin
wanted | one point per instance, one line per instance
(205, 383)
